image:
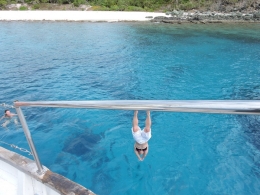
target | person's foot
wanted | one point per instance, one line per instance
(136, 112)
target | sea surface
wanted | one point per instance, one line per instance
(189, 153)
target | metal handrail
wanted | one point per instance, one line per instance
(29, 139)
(203, 106)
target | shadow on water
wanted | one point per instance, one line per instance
(86, 147)
(82, 144)
(249, 123)
(250, 126)
(246, 33)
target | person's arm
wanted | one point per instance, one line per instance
(2, 117)
(138, 155)
(146, 152)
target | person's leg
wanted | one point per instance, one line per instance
(5, 123)
(135, 122)
(16, 121)
(148, 122)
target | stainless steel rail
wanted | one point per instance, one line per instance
(203, 106)
(29, 140)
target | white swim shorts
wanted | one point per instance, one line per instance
(141, 136)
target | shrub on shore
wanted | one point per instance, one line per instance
(3, 3)
(130, 5)
(169, 5)
(140, 5)
(22, 8)
(36, 6)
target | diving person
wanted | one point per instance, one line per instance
(141, 137)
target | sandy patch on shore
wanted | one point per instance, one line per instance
(93, 16)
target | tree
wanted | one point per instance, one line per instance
(3, 3)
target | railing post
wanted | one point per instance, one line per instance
(27, 133)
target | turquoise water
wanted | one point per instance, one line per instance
(189, 153)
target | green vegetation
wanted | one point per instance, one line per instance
(116, 5)
(77, 3)
(36, 6)
(128, 5)
(3, 3)
(23, 8)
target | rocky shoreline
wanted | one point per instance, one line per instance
(207, 17)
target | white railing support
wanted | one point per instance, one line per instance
(203, 106)
(29, 139)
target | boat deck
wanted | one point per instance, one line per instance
(18, 176)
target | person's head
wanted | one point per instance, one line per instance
(141, 148)
(7, 112)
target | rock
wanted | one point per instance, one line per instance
(247, 18)
(256, 15)
(242, 8)
(201, 17)
(239, 15)
(175, 13)
(231, 17)
(215, 21)
(148, 16)
(209, 17)
(160, 18)
(181, 13)
(222, 8)
(154, 20)
(84, 7)
(171, 21)
(194, 22)
(229, 8)
(14, 6)
(167, 21)
(195, 17)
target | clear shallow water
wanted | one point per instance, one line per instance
(189, 153)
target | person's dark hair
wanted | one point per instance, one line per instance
(6, 111)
